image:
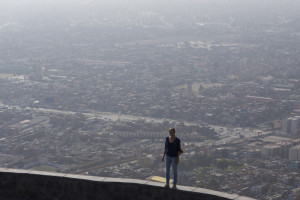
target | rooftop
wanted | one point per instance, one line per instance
(30, 185)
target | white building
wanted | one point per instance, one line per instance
(286, 126)
(294, 153)
(295, 125)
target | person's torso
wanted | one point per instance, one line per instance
(172, 147)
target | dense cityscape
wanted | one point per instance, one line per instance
(93, 90)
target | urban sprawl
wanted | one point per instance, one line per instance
(96, 95)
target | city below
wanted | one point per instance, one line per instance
(94, 90)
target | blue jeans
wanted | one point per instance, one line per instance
(169, 161)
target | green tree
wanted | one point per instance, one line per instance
(222, 163)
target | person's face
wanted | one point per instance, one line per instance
(172, 133)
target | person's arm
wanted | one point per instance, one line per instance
(179, 152)
(165, 151)
(177, 159)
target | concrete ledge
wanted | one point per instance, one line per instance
(30, 185)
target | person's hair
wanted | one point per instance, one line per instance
(172, 130)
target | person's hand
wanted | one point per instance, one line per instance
(177, 160)
(163, 159)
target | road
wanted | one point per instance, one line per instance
(107, 116)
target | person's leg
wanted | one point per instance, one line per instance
(174, 168)
(168, 165)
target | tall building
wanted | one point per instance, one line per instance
(286, 126)
(295, 125)
(294, 153)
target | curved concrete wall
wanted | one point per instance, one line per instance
(35, 185)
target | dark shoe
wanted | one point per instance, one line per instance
(167, 186)
(174, 187)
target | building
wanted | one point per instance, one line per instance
(286, 126)
(271, 150)
(294, 153)
(295, 125)
(277, 146)
(146, 161)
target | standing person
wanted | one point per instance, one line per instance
(172, 150)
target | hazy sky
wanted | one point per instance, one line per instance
(245, 10)
(233, 5)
